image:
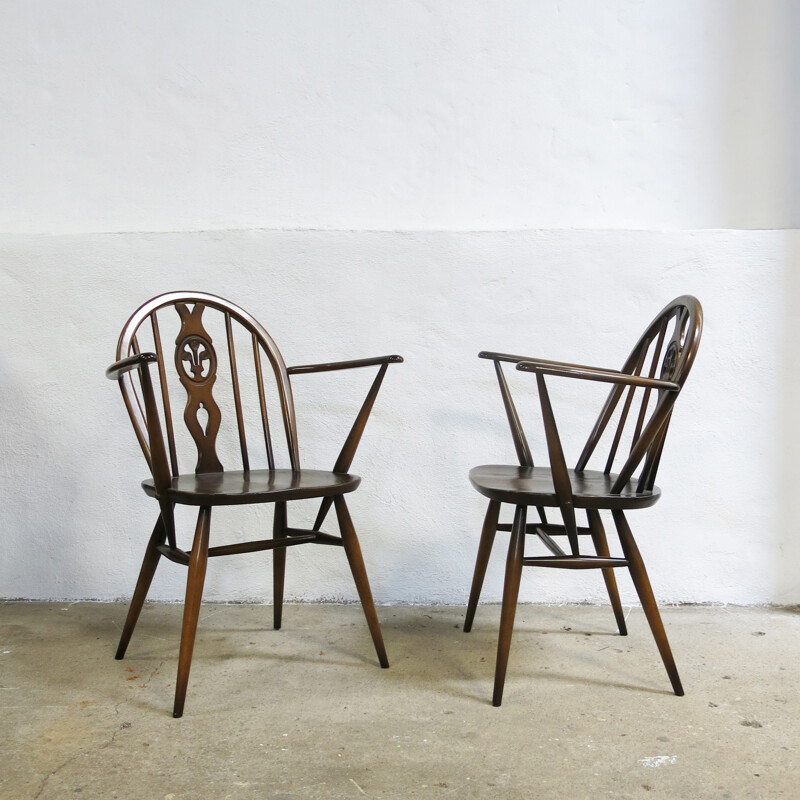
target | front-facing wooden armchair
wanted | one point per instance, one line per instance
(223, 358)
(641, 401)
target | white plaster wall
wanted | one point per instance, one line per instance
(399, 114)
(503, 152)
(75, 520)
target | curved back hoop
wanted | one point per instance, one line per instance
(665, 351)
(196, 363)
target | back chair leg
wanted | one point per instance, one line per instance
(148, 569)
(645, 592)
(278, 564)
(601, 548)
(356, 561)
(484, 551)
(516, 552)
(191, 610)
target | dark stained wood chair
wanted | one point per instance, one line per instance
(236, 368)
(641, 402)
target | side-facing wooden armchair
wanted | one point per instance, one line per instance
(232, 369)
(647, 395)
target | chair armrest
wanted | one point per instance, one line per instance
(544, 367)
(334, 365)
(502, 357)
(119, 368)
(351, 443)
(145, 421)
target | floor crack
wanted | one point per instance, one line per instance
(61, 766)
(101, 746)
(153, 674)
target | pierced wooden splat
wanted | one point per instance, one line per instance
(196, 362)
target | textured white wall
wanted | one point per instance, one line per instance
(398, 114)
(138, 136)
(75, 520)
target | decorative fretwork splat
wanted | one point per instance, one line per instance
(675, 348)
(196, 362)
(670, 361)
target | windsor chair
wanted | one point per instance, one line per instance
(207, 366)
(675, 333)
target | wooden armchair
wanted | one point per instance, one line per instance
(243, 358)
(671, 340)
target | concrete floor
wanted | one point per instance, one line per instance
(306, 712)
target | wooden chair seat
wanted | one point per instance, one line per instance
(255, 486)
(534, 486)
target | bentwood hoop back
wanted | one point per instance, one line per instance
(641, 401)
(211, 356)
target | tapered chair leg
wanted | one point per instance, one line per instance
(516, 551)
(278, 564)
(356, 561)
(482, 561)
(601, 548)
(191, 609)
(642, 584)
(148, 569)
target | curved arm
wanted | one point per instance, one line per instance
(334, 365)
(502, 357)
(543, 367)
(119, 368)
(153, 443)
(558, 465)
(353, 439)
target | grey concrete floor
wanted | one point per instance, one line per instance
(306, 712)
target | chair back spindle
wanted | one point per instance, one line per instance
(162, 377)
(263, 404)
(237, 394)
(517, 431)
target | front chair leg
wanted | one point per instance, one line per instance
(516, 551)
(191, 609)
(645, 592)
(601, 548)
(356, 561)
(482, 561)
(151, 558)
(278, 564)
